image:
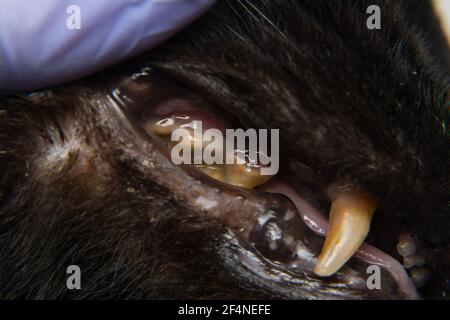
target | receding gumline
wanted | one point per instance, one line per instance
(367, 253)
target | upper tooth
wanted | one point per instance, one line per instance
(216, 172)
(350, 215)
(163, 126)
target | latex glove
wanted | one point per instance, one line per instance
(39, 46)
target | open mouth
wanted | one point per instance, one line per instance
(350, 223)
(303, 210)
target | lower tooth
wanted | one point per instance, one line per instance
(420, 276)
(406, 246)
(413, 261)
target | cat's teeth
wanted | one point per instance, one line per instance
(413, 261)
(240, 175)
(214, 171)
(420, 276)
(163, 126)
(350, 216)
(245, 176)
(406, 246)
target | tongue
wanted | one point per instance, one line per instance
(367, 253)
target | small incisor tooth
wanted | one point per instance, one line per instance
(350, 216)
(420, 276)
(406, 246)
(413, 261)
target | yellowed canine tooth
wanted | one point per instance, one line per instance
(350, 216)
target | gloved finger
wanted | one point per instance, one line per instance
(43, 43)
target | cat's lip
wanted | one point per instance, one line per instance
(367, 253)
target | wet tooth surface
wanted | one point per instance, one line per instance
(243, 175)
(350, 216)
(413, 261)
(406, 246)
(420, 276)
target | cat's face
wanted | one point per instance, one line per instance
(84, 182)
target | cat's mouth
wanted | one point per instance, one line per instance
(265, 215)
(345, 230)
(411, 271)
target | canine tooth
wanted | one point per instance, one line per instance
(406, 246)
(413, 261)
(350, 216)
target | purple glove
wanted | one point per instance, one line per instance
(48, 42)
